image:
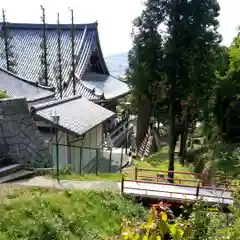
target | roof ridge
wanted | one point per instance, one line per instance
(36, 84)
(42, 106)
(50, 25)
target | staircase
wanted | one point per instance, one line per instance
(143, 146)
(146, 146)
(14, 172)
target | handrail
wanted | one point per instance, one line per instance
(167, 178)
(182, 193)
(186, 173)
(179, 185)
(182, 180)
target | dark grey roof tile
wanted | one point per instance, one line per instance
(26, 39)
(109, 85)
(77, 115)
(26, 47)
(19, 87)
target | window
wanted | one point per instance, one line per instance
(47, 129)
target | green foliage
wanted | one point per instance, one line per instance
(193, 39)
(231, 228)
(156, 228)
(44, 64)
(146, 57)
(227, 160)
(35, 213)
(59, 65)
(3, 94)
(223, 107)
(202, 224)
(8, 54)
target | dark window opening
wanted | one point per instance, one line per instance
(47, 129)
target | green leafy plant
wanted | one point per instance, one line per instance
(157, 226)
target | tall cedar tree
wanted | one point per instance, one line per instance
(72, 35)
(59, 68)
(193, 38)
(44, 74)
(145, 63)
(8, 54)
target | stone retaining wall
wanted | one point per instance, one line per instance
(20, 141)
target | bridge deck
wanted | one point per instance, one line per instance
(176, 193)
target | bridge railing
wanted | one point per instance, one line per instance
(177, 195)
(140, 188)
(185, 178)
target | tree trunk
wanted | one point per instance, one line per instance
(144, 108)
(183, 142)
(172, 140)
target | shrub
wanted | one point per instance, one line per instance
(156, 228)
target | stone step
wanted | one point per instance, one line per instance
(21, 174)
(4, 171)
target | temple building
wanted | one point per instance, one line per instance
(93, 80)
(93, 83)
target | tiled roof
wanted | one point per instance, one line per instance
(19, 87)
(77, 115)
(26, 40)
(109, 85)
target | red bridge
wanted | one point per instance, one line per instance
(155, 185)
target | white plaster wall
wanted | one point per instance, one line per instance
(80, 152)
(63, 150)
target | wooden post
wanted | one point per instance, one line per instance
(136, 172)
(198, 186)
(122, 184)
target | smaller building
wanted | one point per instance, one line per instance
(15, 86)
(79, 131)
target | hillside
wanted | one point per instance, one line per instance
(117, 63)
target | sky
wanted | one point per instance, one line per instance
(114, 17)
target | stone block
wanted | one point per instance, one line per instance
(24, 143)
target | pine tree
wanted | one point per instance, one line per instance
(8, 55)
(44, 75)
(189, 58)
(60, 80)
(73, 70)
(145, 63)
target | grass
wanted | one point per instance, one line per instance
(157, 162)
(91, 177)
(35, 213)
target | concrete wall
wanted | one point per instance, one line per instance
(20, 141)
